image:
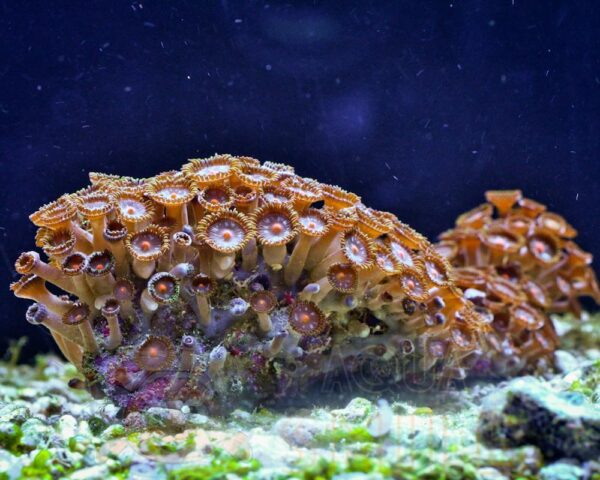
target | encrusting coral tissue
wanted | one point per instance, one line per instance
(232, 283)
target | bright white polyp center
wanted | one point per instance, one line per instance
(355, 249)
(412, 285)
(501, 240)
(257, 177)
(526, 317)
(274, 197)
(312, 223)
(213, 170)
(541, 249)
(173, 193)
(274, 227)
(146, 244)
(537, 293)
(95, 204)
(131, 208)
(435, 272)
(385, 262)
(401, 253)
(226, 233)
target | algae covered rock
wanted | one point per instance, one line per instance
(561, 471)
(529, 412)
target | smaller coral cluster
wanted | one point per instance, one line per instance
(230, 281)
(518, 263)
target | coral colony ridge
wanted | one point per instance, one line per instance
(231, 282)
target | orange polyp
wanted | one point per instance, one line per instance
(214, 201)
(312, 225)
(173, 196)
(162, 288)
(354, 249)
(227, 235)
(100, 266)
(131, 210)
(539, 247)
(340, 276)
(276, 228)
(145, 245)
(153, 352)
(410, 284)
(305, 318)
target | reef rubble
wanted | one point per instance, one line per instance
(50, 431)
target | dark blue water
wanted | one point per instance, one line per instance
(417, 106)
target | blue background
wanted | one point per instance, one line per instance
(418, 106)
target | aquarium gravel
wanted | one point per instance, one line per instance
(50, 431)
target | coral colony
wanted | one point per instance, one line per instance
(231, 282)
(517, 267)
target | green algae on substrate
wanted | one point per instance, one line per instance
(588, 386)
(416, 466)
(10, 437)
(340, 435)
(221, 465)
(159, 446)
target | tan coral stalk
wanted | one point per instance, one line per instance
(226, 233)
(182, 248)
(263, 303)
(34, 288)
(145, 247)
(216, 361)
(148, 306)
(114, 235)
(30, 262)
(98, 272)
(71, 350)
(202, 287)
(39, 314)
(74, 267)
(250, 255)
(124, 291)
(173, 191)
(188, 345)
(110, 311)
(95, 207)
(340, 221)
(79, 315)
(275, 344)
(313, 225)
(276, 225)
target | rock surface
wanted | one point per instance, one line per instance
(543, 427)
(527, 411)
